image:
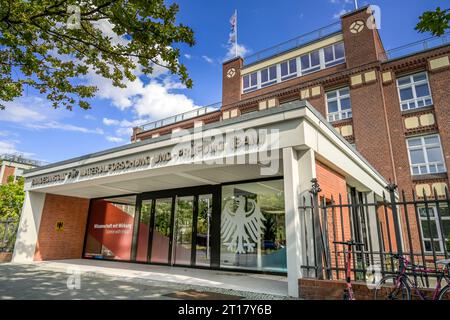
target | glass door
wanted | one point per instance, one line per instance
(175, 228)
(183, 230)
(162, 230)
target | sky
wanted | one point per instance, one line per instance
(31, 127)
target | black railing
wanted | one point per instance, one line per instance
(395, 223)
(8, 230)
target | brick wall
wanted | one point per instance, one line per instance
(311, 289)
(68, 243)
(231, 86)
(360, 47)
(440, 86)
(331, 182)
(9, 171)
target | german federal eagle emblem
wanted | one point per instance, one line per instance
(241, 229)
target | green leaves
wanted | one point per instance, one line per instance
(11, 198)
(39, 48)
(436, 22)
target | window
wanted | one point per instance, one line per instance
(295, 67)
(310, 62)
(288, 69)
(425, 155)
(433, 233)
(414, 91)
(250, 82)
(338, 104)
(268, 76)
(110, 228)
(334, 54)
(257, 241)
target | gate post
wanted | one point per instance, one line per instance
(318, 248)
(391, 187)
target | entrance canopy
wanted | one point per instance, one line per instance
(244, 148)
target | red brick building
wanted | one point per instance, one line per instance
(14, 166)
(392, 106)
(337, 108)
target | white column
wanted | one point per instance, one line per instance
(307, 164)
(2, 171)
(372, 225)
(27, 233)
(298, 170)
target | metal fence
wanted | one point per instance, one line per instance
(293, 43)
(8, 230)
(412, 48)
(416, 226)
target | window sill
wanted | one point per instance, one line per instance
(341, 121)
(416, 110)
(429, 176)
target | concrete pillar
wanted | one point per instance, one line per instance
(307, 164)
(27, 233)
(372, 223)
(298, 170)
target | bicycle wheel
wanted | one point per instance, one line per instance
(444, 294)
(388, 290)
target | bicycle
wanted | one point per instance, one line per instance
(348, 291)
(400, 285)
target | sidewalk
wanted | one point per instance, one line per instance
(117, 280)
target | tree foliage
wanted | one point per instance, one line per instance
(50, 43)
(11, 199)
(436, 22)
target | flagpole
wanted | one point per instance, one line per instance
(235, 32)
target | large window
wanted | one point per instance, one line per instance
(294, 67)
(334, 54)
(414, 91)
(110, 228)
(288, 69)
(434, 233)
(425, 155)
(310, 62)
(250, 82)
(253, 232)
(338, 104)
(268, 76)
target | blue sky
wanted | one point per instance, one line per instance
(31, 127)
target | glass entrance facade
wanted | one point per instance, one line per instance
(234, 226)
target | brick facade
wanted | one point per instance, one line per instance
(377, 127)
(8, 171)
(68, 242)
(333, 290)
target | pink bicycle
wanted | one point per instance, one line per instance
(348, 291)
(400, 286)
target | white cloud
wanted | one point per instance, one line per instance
(89, 117)
(208, 59)
(114, 139)
(106, 28)
(64, 127)
(110, 122)
(125, 131)
(242, 51)
(36, 113)
(156, 101)
(21, 111)
(187, 56)
(337, 15)
(9, 147)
